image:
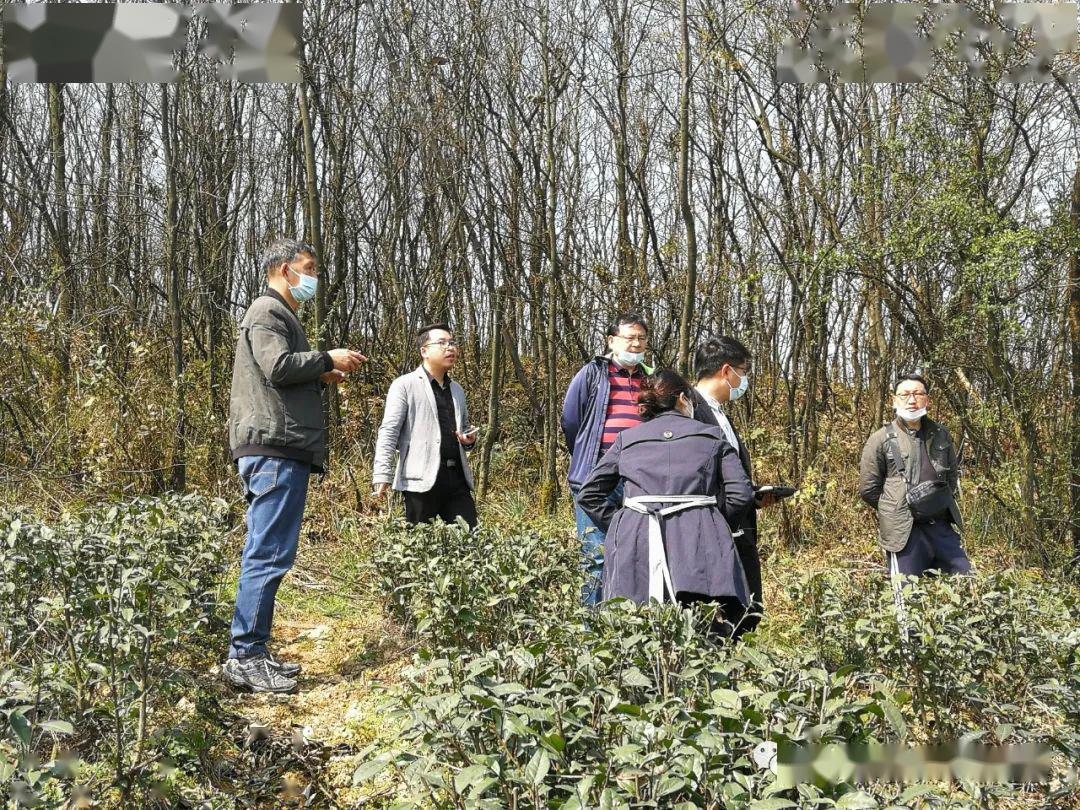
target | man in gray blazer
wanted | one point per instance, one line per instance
(427, 423)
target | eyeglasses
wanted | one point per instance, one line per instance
(633, 338)
(446, 344)
(916, 395)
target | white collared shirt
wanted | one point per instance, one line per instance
(721, 418)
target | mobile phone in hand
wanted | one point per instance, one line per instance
(470, 431)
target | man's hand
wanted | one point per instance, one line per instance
(332, 377)
(346, 360)
(468, 440)
(380, 491)
(765, 500)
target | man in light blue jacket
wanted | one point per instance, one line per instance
(427, 423)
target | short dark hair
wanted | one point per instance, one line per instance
(626, 319)
(914, 376)
(660, 393)
(425, 333)
(715, 352)
(281, 250)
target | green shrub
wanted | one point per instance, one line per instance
(980, 650)
(521, 699)
(93, 613)
(461, 590)
(640, 708)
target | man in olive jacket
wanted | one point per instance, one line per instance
(914, 452)
(277, 437)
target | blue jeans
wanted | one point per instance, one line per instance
(276, 492)
(592, 549)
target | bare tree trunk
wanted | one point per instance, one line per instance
(175, 287)
(685, 207)
(551, 422)
(491, 435)
(61, 256)
(1074, 350)
(314, 223)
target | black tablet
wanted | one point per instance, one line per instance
(778, 492)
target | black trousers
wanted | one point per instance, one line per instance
(448, 499)
(746, 546)
(932, 545)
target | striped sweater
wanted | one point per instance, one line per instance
(622, 409)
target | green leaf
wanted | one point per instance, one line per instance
(670, 784)
(895, 717)
(915, 791)
(58, 727)
(635, 677)
(21, 726)
(467, 777)
(771, 804)
(370, 769)
(554, 743)
(537, 769)
(856, 801)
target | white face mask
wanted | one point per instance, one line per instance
(910, 414)
(630, 359)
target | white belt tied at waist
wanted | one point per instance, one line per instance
(659, 573)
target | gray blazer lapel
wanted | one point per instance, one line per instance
(429, 395)
(457, 396)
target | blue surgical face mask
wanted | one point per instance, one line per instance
(305, 290)
(630, 359)
(744, 386)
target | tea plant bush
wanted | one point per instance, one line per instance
(94, 610)
(461, 590)
(641, 708)
(520, 699)
(981, 652)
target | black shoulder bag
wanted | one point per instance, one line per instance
(927, 499)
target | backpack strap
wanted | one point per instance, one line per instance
(892, 452)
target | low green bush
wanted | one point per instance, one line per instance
(461, 591)
(980, 652)
(641, 708)
(520, 699)
(94, 611)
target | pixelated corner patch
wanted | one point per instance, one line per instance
(960, 760)
(899, 42)
(137, 42)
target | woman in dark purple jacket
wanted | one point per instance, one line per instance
(684, 485)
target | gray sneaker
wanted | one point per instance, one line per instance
(286, 668)
(256, 674)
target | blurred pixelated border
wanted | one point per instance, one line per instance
(960, 760)
(896, 42)
(138, 42)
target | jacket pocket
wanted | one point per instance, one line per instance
(258, 416)
(893, 497)
(302, 414)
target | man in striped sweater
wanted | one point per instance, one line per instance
(600, 404)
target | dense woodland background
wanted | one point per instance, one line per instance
(526, 171)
